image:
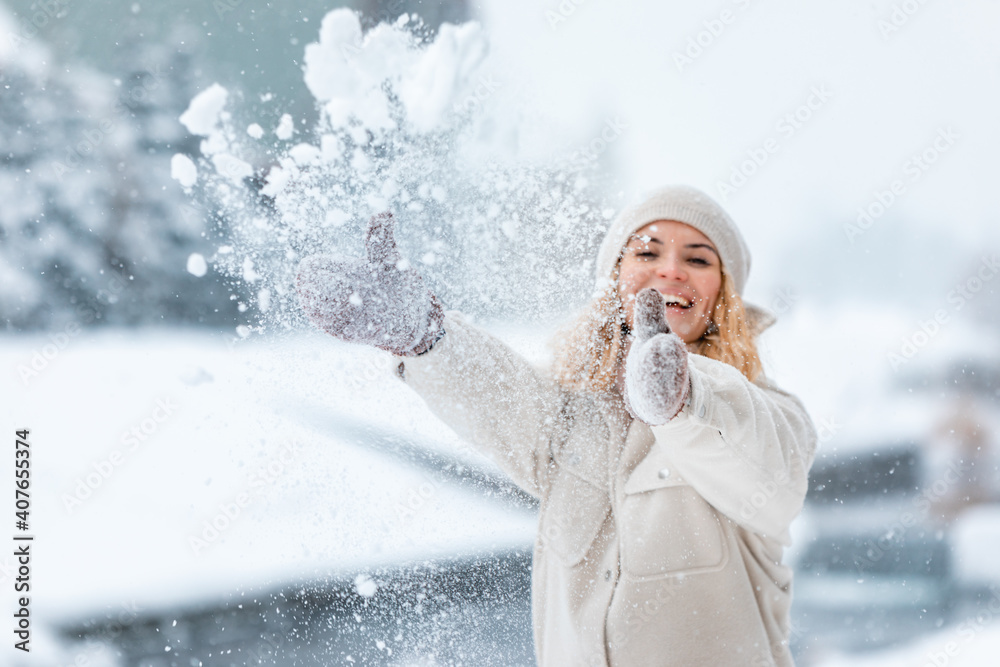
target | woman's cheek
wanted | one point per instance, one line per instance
(632, 279)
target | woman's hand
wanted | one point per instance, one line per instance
(379, 301)
(656, 368)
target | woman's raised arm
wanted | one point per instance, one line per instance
(494, 398)
(473, 382)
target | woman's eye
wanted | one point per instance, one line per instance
(700, 261)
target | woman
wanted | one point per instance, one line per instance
(668, 468)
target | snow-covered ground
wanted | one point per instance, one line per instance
(171, 468)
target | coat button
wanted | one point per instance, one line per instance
(701, 411)
(664, 473)
(607, 575)
(574, 459)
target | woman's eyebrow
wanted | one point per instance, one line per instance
(702, 245)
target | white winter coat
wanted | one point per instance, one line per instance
(656, 545)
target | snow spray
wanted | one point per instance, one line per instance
(412, 122)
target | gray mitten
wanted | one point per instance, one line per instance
(656, 368)
(379, 301)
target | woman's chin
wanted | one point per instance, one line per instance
(688, 327)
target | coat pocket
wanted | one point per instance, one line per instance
(667, 527)
(572, 517)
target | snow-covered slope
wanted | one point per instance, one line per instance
(169, 469)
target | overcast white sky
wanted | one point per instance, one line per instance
(889, 95)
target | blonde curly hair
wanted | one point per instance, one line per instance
(589, 351)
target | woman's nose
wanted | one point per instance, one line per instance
(671, 268)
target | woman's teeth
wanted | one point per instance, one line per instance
(674, 300)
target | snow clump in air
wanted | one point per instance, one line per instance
(412, 121)
(203, 114)
(183, 170)
(196, 265)
(364, 585)
(286, 128)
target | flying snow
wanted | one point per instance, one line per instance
(183, 170)
(364, 585)
(196, 265)
(396, 132)
(203, 114)
(286, 128)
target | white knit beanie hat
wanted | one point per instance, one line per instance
(693, 207)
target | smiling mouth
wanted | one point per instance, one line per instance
(677, 301)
